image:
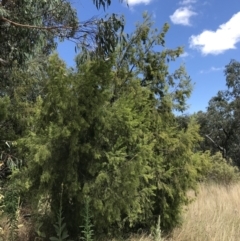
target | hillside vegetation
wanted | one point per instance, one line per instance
(101, 151)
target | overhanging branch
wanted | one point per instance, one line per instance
(34, 26)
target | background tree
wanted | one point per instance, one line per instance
(30, 28)
(220, 124)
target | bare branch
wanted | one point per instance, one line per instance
(35, 27)
(223, 150)
(2, 61)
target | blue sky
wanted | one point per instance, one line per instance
(208, 30)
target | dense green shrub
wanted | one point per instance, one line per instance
(108, 132)
(222, 171)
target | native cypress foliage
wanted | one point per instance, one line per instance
(177, 169)
(3, 107)
(17, 107)
(90, 145)
(121, 189)
(108, 132)
(61, 143)
(172, 170)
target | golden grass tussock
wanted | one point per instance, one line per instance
(213, 216)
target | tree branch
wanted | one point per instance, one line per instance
(223, 150)
(34, 26)
(2, 61)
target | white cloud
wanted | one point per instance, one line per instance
(135, 2)
(182, 16)
(216, 42)
(212, 69)
(187, 2)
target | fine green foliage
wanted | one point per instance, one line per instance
(109, 133)
(4, 104)
(107, 129)
(221, 171)
(29, 31)
(177, 171)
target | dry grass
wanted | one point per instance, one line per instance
(213, 216)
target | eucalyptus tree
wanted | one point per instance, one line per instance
(29, 28)
(220, 123)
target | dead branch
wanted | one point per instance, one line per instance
(223, 150)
